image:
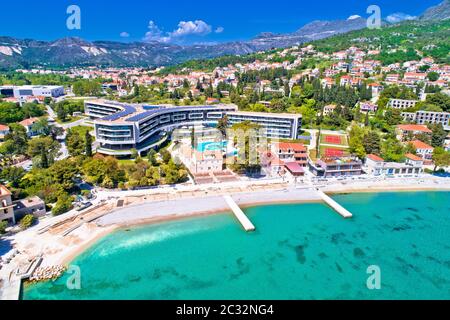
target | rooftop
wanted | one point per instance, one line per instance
(414, 127)
(295, 147)
(137, 112)
(421, 145)
(413, 157)
(374, 157)
(4, 191)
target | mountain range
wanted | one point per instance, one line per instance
(68, 52)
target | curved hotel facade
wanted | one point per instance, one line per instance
(120, 128)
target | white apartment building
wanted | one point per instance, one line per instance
(402, 104)
(425, 117)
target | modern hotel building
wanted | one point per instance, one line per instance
(120, 128)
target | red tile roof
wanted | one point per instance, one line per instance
(413, 157)
(296, 147)
(3, 127)
(421, 145)
(28, 122)
(294, 167)
(374, 157)
(414, 127)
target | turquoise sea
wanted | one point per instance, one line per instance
(299, 251)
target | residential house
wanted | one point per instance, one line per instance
(406, 132)
(33, 205)
(423, 150)
(291, 152)
(336, 167)
(378, 167)
(28, 124)
(6, 206)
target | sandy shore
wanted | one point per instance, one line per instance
(60, 249)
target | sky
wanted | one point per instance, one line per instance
(185, 22)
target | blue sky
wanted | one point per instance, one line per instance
(184, 21)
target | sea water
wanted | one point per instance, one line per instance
(299, 251)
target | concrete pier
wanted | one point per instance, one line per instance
(336, 206)
(240, 215)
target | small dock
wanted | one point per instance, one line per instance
(240, 215)
(336, 206)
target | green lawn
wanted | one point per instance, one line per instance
(82, 130)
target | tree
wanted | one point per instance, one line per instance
(433, 76)
(439, 99)
(366, 121)
(166, 157)
(63, 205)
(44, 159)
(438, 135)
(44, 146)
(392, 150)
(410, 148)
(27, 221)
(356, 141)
(75, 143)
(3, 226)
(88, 141)
(152, 157)
(441, 158)
(393, 117)
(134, 154)
(222, 125)
(13, 175)
(61, 113)
(16, 141)
(372, 142)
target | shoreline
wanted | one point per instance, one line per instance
(180, 217)
(143, 210)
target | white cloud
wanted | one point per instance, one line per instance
(185, 29)
(354, 17)
(124, 34)
(398, 17)
(154, 33)
(219, 30)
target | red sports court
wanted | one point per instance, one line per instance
(330, 152)
(333, 139)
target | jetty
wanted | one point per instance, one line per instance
(240, 215)
(333, 204)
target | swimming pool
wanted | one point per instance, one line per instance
(212, 146)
